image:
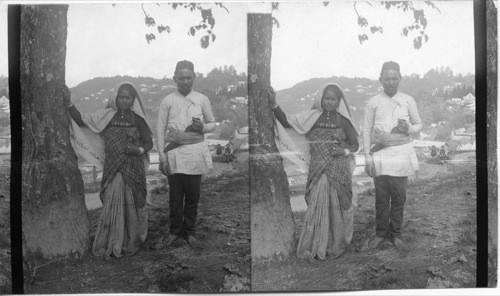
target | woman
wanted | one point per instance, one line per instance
(119, 138)
(332, 139)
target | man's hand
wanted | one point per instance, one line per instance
(197, 125)
(403, 126)
(163, 166)
(369, 166)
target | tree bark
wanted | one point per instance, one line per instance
(491, 122)
(55, 221)
(271, 213)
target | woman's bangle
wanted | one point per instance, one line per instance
(347, 151)
(141, 150)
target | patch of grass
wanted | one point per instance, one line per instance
(396, 280)
(382, 283)
(228, 175)
(468, 237)
(181, 282)
(367, 192)
(4, 242)
(5, 289)
(4, 236)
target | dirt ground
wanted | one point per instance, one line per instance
(439, 228)
(222, 265)
(5, 267)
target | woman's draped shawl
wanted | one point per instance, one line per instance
(87, 141)
(292, 143)
(131, 167)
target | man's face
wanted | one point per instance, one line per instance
(390, 80)
(184, 78)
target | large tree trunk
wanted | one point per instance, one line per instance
(55, 221)
(492, 78)
(272, 222)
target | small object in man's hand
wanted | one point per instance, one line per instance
(401, 128)
(197, 125)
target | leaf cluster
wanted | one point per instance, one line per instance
(150, 22)
(204, 27)
(420, 21)
(418, 26)
(363, 22)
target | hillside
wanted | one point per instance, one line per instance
(431, 93)
(220, 86)
(4, 82)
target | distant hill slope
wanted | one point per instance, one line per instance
(437, 85)
(220, 86)
(4, 83)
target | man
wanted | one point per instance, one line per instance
(185, 164)
(390, 118)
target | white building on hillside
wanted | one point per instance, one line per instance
(470, 98)
(241, 133)
(239, 100)
(4, 101)
(165, 87)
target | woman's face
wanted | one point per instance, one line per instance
(330, 100)
(124, 99)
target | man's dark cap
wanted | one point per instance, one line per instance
(391, 66)
(184, 65)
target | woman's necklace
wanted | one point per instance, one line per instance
(124, 120)
(329, 114)
(328, 119)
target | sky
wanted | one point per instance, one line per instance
(324, 42)
(4, 62)
(312, 40)
(106, 41)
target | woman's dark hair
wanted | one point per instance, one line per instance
(130, 89)
(335, 89)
